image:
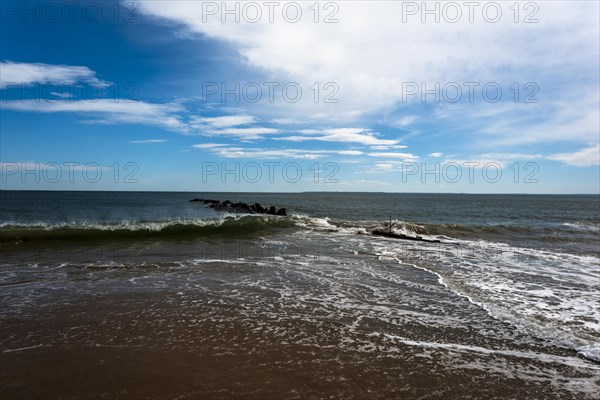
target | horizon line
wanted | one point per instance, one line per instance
(300, 192)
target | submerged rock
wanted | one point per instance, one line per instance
(389, 234)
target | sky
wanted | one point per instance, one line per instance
(274, 96)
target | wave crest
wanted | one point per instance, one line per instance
(237, 226)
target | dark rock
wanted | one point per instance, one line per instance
(239, 207)
(219, 207)
(389, 234)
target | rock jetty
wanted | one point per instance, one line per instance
(231, 207)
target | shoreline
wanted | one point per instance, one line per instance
(131, 330)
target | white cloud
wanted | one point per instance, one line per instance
(347, 135)
(286, 121)
(474, 163)
(148, 141)
(371, 52)
(239, 152)
(388, 147)
(386, 166)
(62, 95)
(573, 115)
(208, 145)
(586, 157)
(583, 158)
(30, 73)
(406, 156)
(245, 131)
(225, 121)
(404, 121)
(270, 153)
(110, 112)
(230, 125)
(509, 156)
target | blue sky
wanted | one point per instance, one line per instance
(305, 96)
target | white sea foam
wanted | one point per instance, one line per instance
(583, 226)
(132, 225)
(549, 294)
(547, 358)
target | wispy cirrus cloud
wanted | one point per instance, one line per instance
(587, 157)
(245, 133)
(238, 126)
(148, 141)
(241, 152)
(208, 145)
(17, 73)
(392, 147)
(386, 166)
(226, 151)
(108, 111)
(401, 122)
(571, 116)
(346, 135)
(225, 121)
(405, 156)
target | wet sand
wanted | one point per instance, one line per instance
(356, 328)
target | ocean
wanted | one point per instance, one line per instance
(129, 295)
